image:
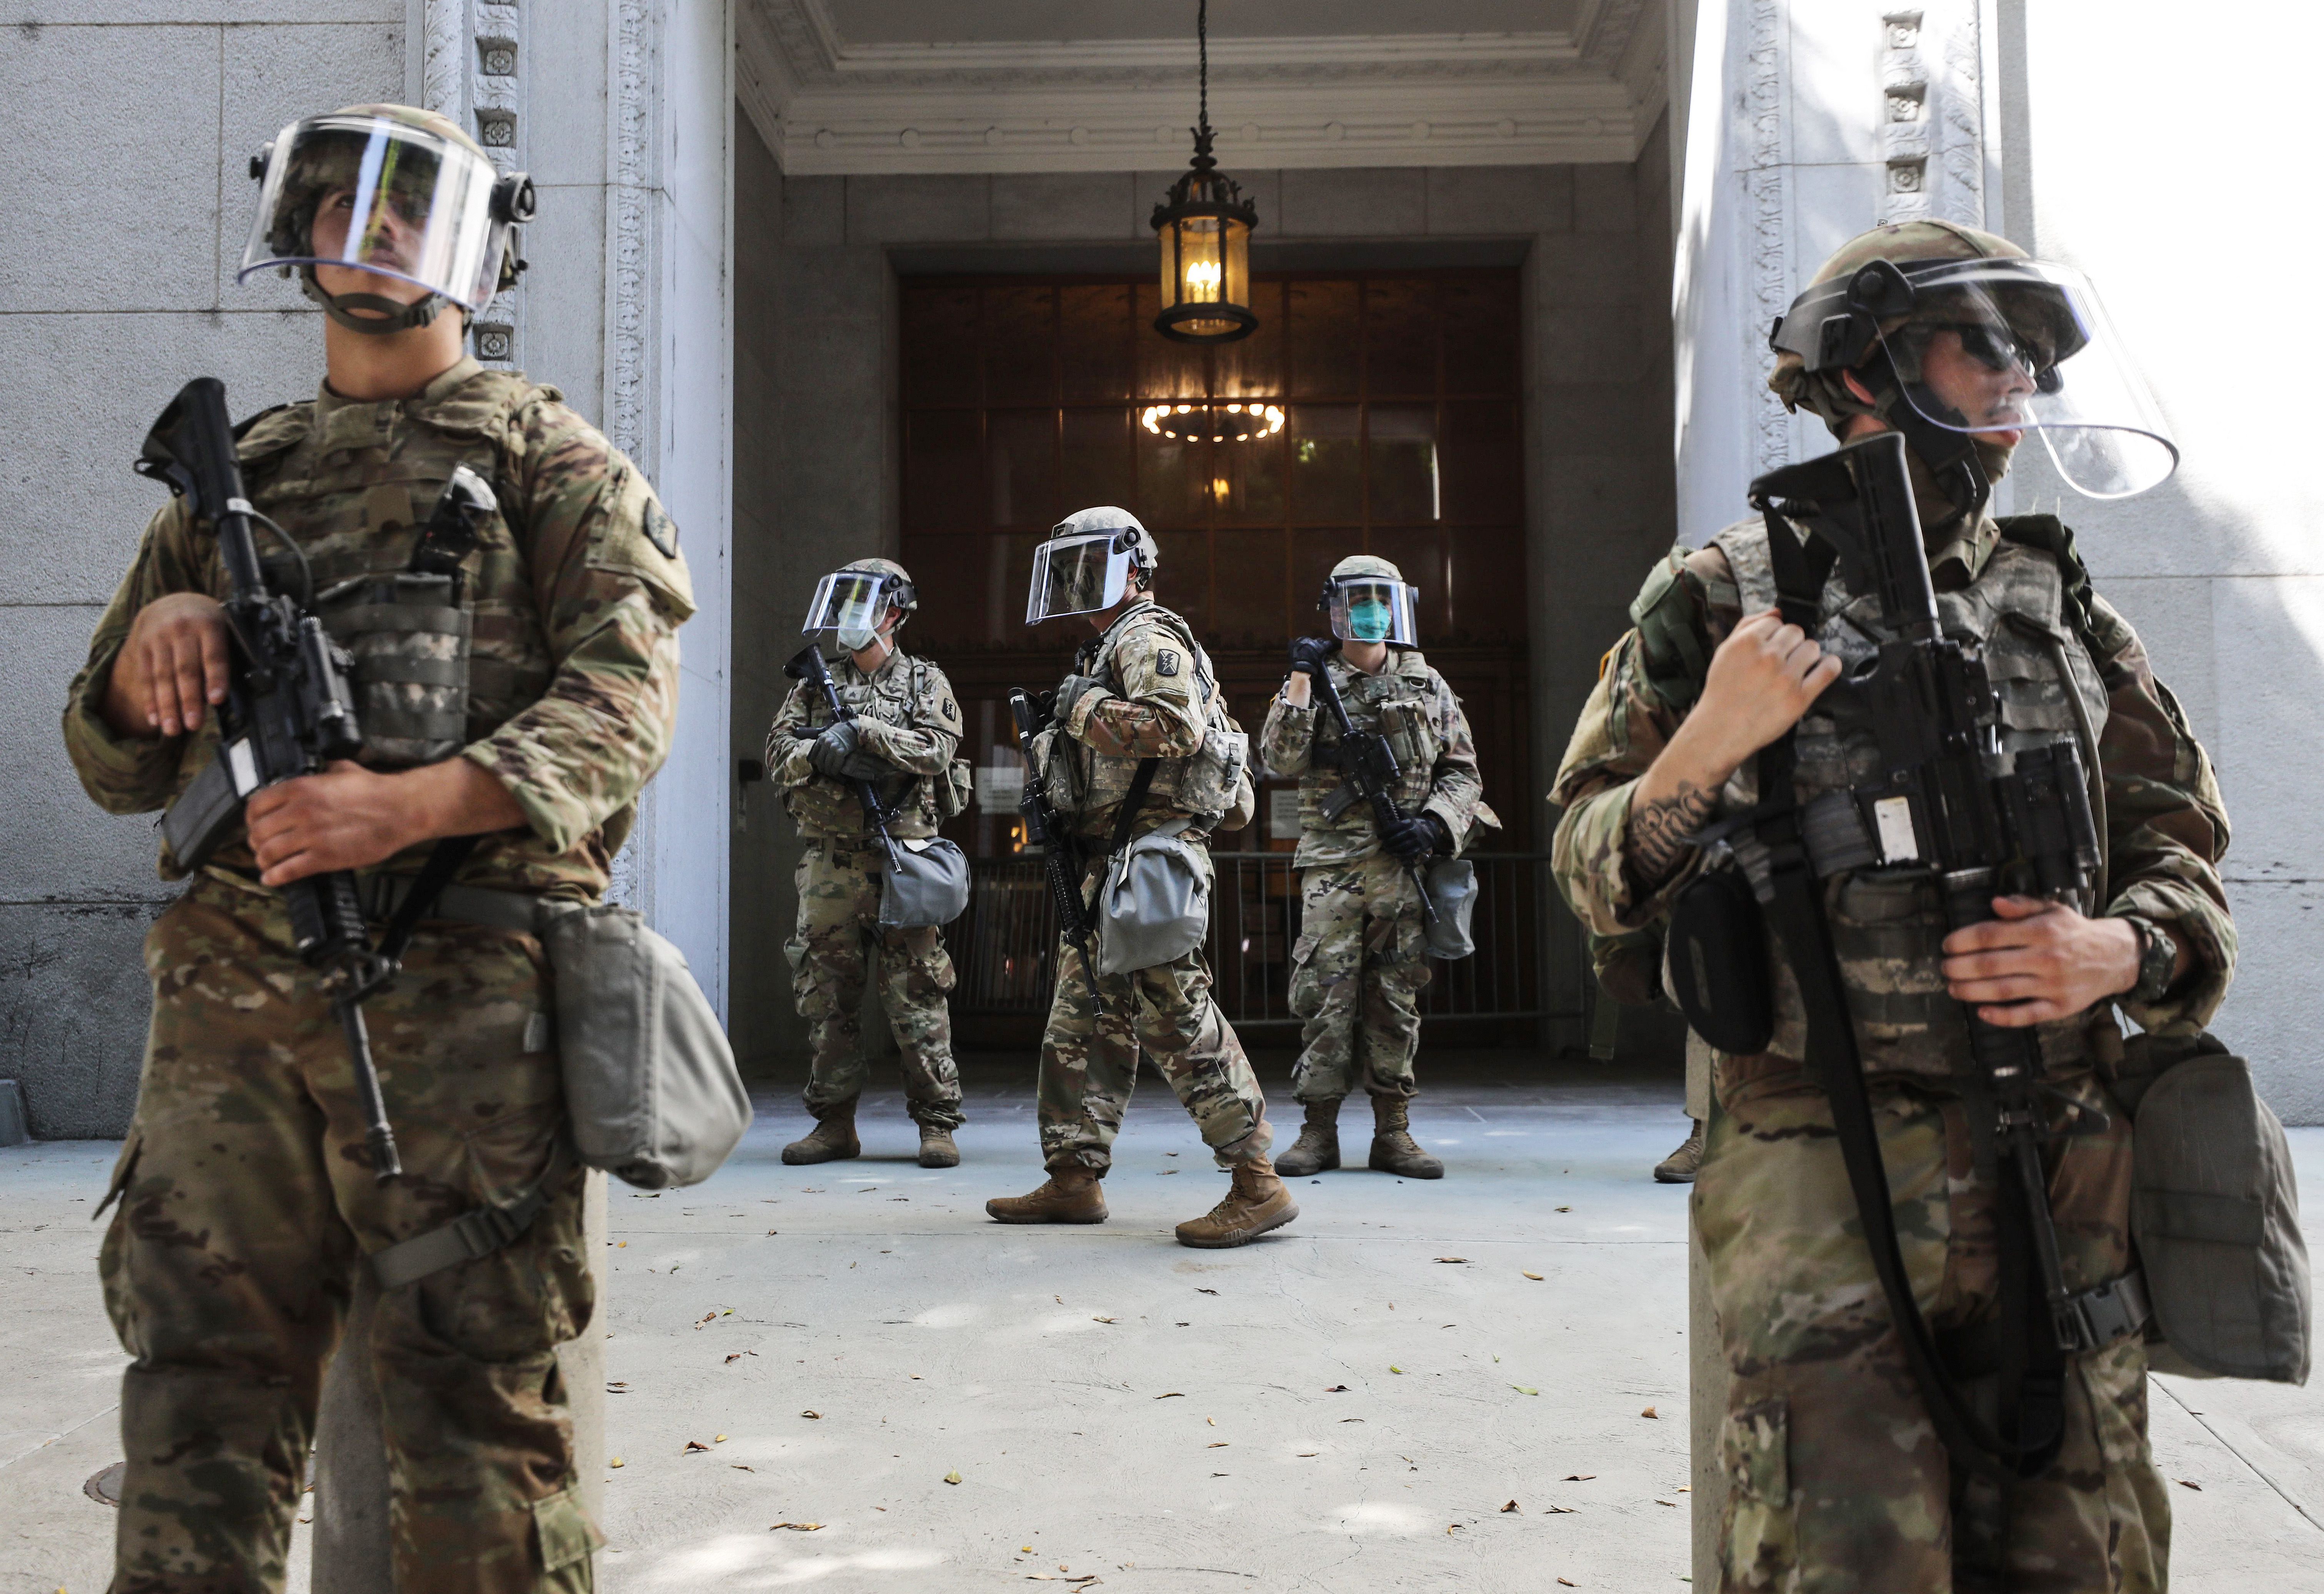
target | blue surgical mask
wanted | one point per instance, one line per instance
(856, 638)
(1370, 621)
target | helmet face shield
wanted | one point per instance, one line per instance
(849, 601)
(1080, 575)
(385, 196)
(1997, 344)
(1371, 609)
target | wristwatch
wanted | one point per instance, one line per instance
(2156, 957)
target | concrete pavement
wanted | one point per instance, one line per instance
(1346, 1406)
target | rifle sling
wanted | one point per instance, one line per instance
(1132, 802)
(1796, 913)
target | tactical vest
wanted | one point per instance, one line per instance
(355, 485)
(890, 697)
(1398, 707)
(1214, 783)
(1888, 923)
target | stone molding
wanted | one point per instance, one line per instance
(827, 107)
(471, 55)
(1932, 113)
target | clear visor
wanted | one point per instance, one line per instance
(2019, 345)
(367, 192)
(848, 600)
(1371, 609)
(1078, 575)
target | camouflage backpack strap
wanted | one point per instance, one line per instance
(2054, 536)
(1671, 654)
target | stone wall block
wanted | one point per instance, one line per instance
(237, 13)
(1052, 205)
(813, 210)
(563, 70)
(1468, 201)
(110, 234)
(74, 1005)
(919, 209)
(1356, 202)
(71, 510)
(562, 297)
(274, 75)
(1605, 199)
(1581, 343)
(1575, 269)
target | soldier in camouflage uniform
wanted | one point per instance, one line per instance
(906, 727)
(1361, 959)
(1141, 693)
(1836, 1478)
(246, 1197)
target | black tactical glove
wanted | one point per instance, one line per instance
(832, 749)
(863, 764)
(1308, 653)
(1071, 691)
(1415, 836)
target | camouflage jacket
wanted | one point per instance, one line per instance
(2166, 827)
(1162, 702)
(575, 588)
(1435, 756)
(909, 719)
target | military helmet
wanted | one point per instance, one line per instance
(855, 597)
(1963, 342)
(1366, 565)
(423, 204)
(1370, 600)
(1087, 562)
(901, 590)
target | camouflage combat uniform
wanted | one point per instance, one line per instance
(911, 719)
(246, 1200)
(1361, 959)
(1159, 690)
(1836, 1478)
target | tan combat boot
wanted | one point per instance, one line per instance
(1072, 1195)
(833, 1140)
(1681, 1166)
(1317, 1149)
(1394, 1150)
(1256, 1202)
(936, 1150)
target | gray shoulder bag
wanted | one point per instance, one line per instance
(2215, 1213)
(927, 883)
(1451, 886)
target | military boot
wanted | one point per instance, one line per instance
(1072, 1195)
(1681, 1166)
(1317, 1149)
(1256, 1202)
(833, 1138)
(936, 1150)
(1394, 1150)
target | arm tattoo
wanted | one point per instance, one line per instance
(1659, 829)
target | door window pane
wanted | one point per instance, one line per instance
(1326, 462)
(1403, 469)
(1481, 324)
(941, 474)
(1483, 471)
(1320, 319)
(940, 335)
(1020, 346)
(1400, 338)
(1097, 346)
(1100, 466)
(1021, 467)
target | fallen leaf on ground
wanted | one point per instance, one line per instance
(1685, 1489)
(816, 1415)
(1578, 1477)
(614, 1462)
(1309, 1452)
(718, 1439)
(1535, 1277)
(952, 1478)
(738, 1355)
(1509, 1508)
(1201, 1290)
(774, 1232)
(797, 1527)
(1101, 1320)
(1060, 1300)
(1569, 1582)
(618, 1384)
(692, 1445)
(1217, 1444)
(1521, 1390)
(1563, 1210)
(1561, 1510)
(1452, 1258)
(1392, 1368)
(2189, 1483)
(1450, 1526)
(707, 1316)
(1337, 1389)
(1173, 1394)
(1165, 1172)
(1671, 1504)
(740, 1468)
(1649, 1412)
(1213, 1422)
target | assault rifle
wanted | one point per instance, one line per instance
(1369, 773)
(1981, 819)
(807, 665)
(288, 713)
(1060, 859)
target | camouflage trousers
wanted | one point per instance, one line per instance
(1089, 1058)
(839, 885)
(247, 1202)
(1836, 1480)
(1356, 972)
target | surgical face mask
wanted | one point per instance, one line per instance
(856, 638)
(1371, 621)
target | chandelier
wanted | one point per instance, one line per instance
(1212, 422)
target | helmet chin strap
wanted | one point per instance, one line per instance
(1952, 456)
(391, 315)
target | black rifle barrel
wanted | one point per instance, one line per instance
(808, 664)
(1369, 765)
(1060, 859)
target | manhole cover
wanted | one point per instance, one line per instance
(104, 1487)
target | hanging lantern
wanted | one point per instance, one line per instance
(1204, 227)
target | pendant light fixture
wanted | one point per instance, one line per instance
(1204, 226)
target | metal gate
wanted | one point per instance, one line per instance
(1002, 945)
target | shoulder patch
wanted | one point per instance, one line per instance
(661, 530)
(950, 712)
(1166, 662)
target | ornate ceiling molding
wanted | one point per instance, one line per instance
(826, 106)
